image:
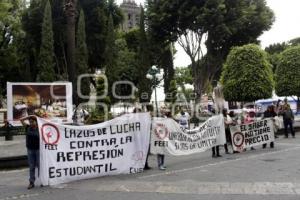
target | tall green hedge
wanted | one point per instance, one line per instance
(247, 75)
(287, 75)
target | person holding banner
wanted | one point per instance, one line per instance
(149, 109)
(33, 146)
(228, 122)
(161, 157)
(270, 113)
(250, 118)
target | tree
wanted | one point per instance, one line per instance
(97, 15)
(171, 95)
(183, 76)
(111, 68)
(45, 63)
(218, 24)
(275, 50)
(144, 61)
(127, 68)
(82, 56)
(11, 35)
(287, 74)
(247, 75)
(32, 20)
(100, 89)
(166, 62)
(70, 12)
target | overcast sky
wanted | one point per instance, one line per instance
(285, 27)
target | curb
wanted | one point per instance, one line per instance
(13, 162)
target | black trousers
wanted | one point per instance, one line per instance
(215, 151)
(288, 123)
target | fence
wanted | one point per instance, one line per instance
(9, 131)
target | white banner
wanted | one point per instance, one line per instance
(167, 135)
(253, 134)
(69, 153)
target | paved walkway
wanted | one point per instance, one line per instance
(263, 174)
(16, 147)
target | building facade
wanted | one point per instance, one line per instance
(131, 13)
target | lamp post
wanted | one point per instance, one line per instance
(155, 75)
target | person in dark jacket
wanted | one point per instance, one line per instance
(288, 119)
(33, 146)
(270, 113)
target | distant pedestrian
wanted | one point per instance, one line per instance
(33, 147)
(183, 120)
(161, 157)
(288, 119)
(80, 116)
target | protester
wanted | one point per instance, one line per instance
(33, 146)
(229, 120)
(183, 120)
(161, 157)
(250, 117)
(80, 116)
(288, 119)
(216, 151)
(270, 113)
(149, 109)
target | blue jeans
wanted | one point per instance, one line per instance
(160, 160)
(33, 162)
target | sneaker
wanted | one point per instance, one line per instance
(219, 156)
(162, 168)
(31, 185)
(293, 136)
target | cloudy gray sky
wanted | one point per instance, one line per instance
(285, 27)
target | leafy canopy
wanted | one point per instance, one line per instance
(287, 74)
(247, 75)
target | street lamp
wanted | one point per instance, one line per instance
(155, 75)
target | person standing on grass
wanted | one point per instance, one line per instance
(33, 146)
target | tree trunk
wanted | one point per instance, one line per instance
(197, 82)
(70, 9)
